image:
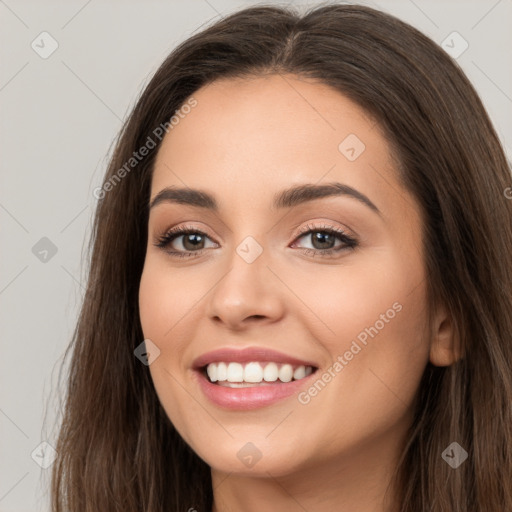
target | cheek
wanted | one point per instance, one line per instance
(153, 302)
(373, 295)
(373, 329)
(165, 297)
(163, 308)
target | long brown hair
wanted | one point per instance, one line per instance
(117, 449)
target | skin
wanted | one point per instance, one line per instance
(246, 140)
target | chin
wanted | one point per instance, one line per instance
(258, 457)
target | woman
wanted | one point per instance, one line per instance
(300, 295)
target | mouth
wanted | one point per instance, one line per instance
(254, 373)
(250, 378)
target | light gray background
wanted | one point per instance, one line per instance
(59, 117)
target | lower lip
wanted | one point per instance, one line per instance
(250, 397)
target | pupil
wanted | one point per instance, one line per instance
(321, 238)
(189, 238)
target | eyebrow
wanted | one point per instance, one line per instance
(285, 199)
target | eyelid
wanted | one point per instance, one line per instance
(185, 227)
(318, 225)
(293, 234)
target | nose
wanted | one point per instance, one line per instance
(247, 293)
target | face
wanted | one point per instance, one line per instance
(332, 284)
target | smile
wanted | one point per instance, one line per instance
(237, 375)
(252, 377)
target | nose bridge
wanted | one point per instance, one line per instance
(248, 288)
(250, 249)
(247, 271)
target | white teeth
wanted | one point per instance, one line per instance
(235, 372)
(271, 372)
(212, 372)
(222, 371)
(255, 372)
(286, 373)
(299, 373)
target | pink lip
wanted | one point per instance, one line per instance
(247, 355)
(250, 397)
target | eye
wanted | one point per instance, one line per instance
(187, 241)
(323, 240)
(191, 243)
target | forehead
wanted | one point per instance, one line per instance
(257, 108)
(247, 136)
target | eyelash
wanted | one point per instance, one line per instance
(349, 242)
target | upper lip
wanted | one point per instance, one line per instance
(247, 355)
